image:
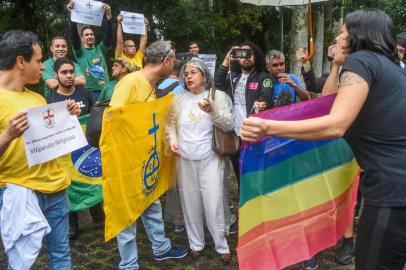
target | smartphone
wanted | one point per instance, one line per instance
(241, 53)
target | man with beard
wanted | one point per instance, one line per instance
(138, 87)
(249, 88)
(65, 74)
(245, 86)
(285, 83)
(91, 57)
(59, 49)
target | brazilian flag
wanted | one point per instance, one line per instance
(84, 167)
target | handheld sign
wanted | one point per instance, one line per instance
(133, 23)
(210, 61)
(52, 132)
(87, 12)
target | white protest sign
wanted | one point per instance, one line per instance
(87, 12)
(210, 61)
(133, 23)
(52, 132)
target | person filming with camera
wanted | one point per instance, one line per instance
(245, 84)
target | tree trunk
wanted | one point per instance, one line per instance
(319, 39)
(299, 34)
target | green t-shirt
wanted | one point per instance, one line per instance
(49, 73)
(107, 91)
(93, 64)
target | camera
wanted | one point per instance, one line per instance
(241, 53)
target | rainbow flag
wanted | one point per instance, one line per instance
(84, 167)
(297, 197)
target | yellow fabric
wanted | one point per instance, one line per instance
(135, 61)
(127, 145)
(47, 177)
(133, 88)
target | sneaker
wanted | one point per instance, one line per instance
(173, 253)
(179, 228)
(344, 253)
(311, 264)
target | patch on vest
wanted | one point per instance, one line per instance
(267, 83)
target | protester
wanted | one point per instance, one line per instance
(171, 84)
(65, 74)
(329, 85)
(282, 81)
(194, 48)
(200, 170)
(59, 49)
(139, 87)
(368, 112)
(173, 209)
(121, 67)
(21, 64)
(401, 47)
(127, 49)
(245, 86)
(91, 58)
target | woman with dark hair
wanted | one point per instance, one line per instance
(369, 113)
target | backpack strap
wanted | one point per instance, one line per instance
(163, 92)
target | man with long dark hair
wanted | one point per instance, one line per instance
(244, 85)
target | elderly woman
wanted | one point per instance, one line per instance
(200, 171)
(369, 111)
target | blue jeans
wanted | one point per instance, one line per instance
(154, 226)
(55, 207)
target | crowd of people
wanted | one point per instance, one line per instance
(367, 74)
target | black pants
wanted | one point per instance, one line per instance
(381, 239)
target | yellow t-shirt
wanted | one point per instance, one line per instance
(135, 61)
(133, 88)
(47, 177)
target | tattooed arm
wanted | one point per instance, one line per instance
(352, 93)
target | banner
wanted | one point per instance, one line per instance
(87, 12)
(85, 171)
(297, 197)
(136, 172)
(210, 61)
(53, 132)
(133, 23)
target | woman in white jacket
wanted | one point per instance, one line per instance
(200, 171)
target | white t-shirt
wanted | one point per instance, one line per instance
(195, 128)
(240, 111)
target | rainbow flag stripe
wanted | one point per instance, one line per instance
(296, 197)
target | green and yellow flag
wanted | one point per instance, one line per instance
(84, 167)
(135, 170)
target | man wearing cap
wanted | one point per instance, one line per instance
(140, 87)
(127, 49)
(120, 68)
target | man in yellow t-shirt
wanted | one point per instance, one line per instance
(21, 64)
(127, 49)
(140, 87)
